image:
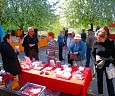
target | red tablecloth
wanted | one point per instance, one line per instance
(71, 86)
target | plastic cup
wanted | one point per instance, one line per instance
(17, 47)
(0, 80)
(58, 63)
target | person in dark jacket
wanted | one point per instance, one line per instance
(89, 43)
(83, 35)
(9, 57)
(30, 44)
(36, 32)
(103, 48)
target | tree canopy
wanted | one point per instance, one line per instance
(24, 13)
(85, 12)
(41, 14)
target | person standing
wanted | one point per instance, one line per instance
(106, 30)
(30, 44)
(83, 35)
(79, 48)
(98, 27)
(70, 41)
(36, 32)
(89, 43)
(65, 36)
(1, 33)
(52, 48)
(103, 49)
(61, 44)
(9, 56)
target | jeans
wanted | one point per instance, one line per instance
(110, 86)
(60, 52)
(33, 54)
(70, 61)
(88, 56)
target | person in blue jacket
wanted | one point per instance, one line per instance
(79, 48)
(1, 33)
(61, 44)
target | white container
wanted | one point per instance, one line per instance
(0, 80)
(52, 63)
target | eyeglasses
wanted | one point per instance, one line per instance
(69, 34)
(31, 31)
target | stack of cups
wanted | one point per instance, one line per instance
(40, 63)
(58, 63)
(0, 80)
(52, 63)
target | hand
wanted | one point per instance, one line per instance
(75, 52)
(18, 50)
(95, 62)
(31, 45)
(38, 44)
(70, 52)
(56, 59)
(65, 47)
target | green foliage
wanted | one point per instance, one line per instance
(40, 14)
(25, 13)
(84, 12)
(56, 27)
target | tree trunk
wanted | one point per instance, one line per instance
(91, 26)
(21, 27)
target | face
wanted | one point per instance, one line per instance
(49, 38)
(63, 33)
(99, 39)
(88, 32)
(70, 34)
(78, 40)
(31, 32)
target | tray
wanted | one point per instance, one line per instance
(42, 92)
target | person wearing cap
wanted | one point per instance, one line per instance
(70, 41)
(79, 48)
(89, 43)
(98, 27)
(83, 35)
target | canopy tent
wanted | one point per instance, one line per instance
(112, 25)
(112, 36)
